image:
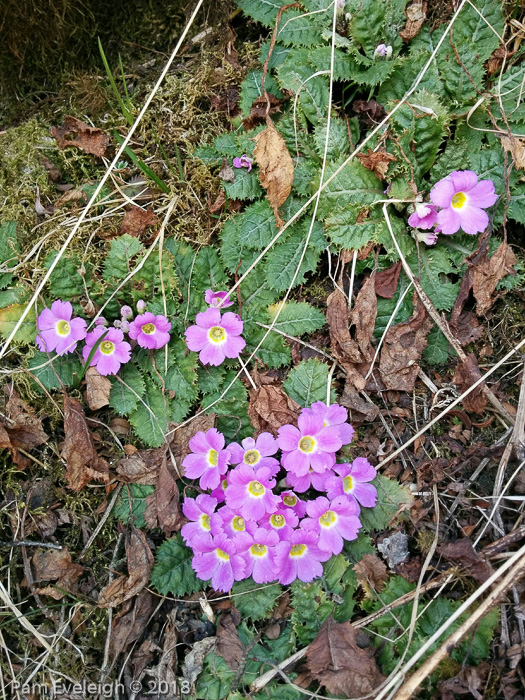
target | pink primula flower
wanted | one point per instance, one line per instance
(228, 522)
(258, 552)
(112, 352)
(216, 558)
(352, 481)
(424, 217)
(311, 445)
(290, 500)
(57, 330)
(333, 415)
(216, 338)
(334, 522)
(150, 331)
(218, 300)
(220, 492)
(283, 522)
(311, 479)
(250, 493)
(256, 453)
(429, 237)
(463, 200)
(207, 460)
(300, 557)
(243, 162)
(199, 510)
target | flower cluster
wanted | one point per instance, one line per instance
(215, 336)
(59, 331)
(247, 526)
(462, 201)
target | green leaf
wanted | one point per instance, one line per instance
(182, 373)
(149, 419)
(122, 397)
(283, 267)
(172, 572)
(147, 282)
(391, 496)
(63, 365)
(353, 185)
(386, 307)
(435, 264)
(254, 600)
(210, 378)
(10, 316)
(263, 11)
(9, 250)
(308, 383)
(245, 186)
(299, 29)
(251, 89)
(273, 352)
(296, 75)
(119, 261)
(438, 350)
(338, 141)
(232, 409)
(65, 281)
(297, 318)
(254, 229)
(278, 56)
(311, 607)
(215, 681)
(131, 504)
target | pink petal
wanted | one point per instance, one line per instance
(309, 423)
(267, 444)
(366, 494)
(47, 340)
(46, 320)
(362, 470)
(449, 221)
(442, 192)
(62, 309)
(211, 354)
(308, 568)
(330, 540)
(482, 195)
(146, 341)
(288, 438)
(231, 323)
(473, 220)
(65, 346)
(210, 317)
(234, 346)
(464, 180)
(196, 338)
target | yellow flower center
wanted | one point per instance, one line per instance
(289, 500)
(306, 444)
(277, 520)
(238, 523)
(217, 334)
(63, 328)
(348, 484)
(213, 458)
(107, 347)
(458, 200)
(148, 328)
(224, 484)
(252, 457)
(328, 518)
(256, 488)
(298, 550)
(258, 550)
(222, 555)
(205, 521)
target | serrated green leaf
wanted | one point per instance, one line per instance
(65, 281)
(251, 89)
(119, 260)
(245, 186)
(254, 229)
(296, 75)
(182, 373)
(226, 144)
(391, 497)
(299, 29)
(438, 350)
(338, 141)
(172, 572)
(253, 600)
(10, 316)
(435, 264)
(122, 397)
(296, 318)
(278, 56)
(64, 366)
(215, 681)
(149, 419)
(353, 185)
(273, 352)
(308, 383)
(210, 378)
(131, 504)
(311, 607)
(263, 11)
(283, 268)
(147, 282)
(231, 409)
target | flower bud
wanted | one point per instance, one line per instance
(126, 312)
(101, 321)
(141, 306)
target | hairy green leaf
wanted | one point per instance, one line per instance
(297, 318)
(149, 419)
(131, 504)
(123, 396)
(172, 572)
(308, 382)
(391, 499)
(253, 600)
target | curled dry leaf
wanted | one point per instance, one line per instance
(516, 147)
(56, 565)
(276, 170)
(74, 132)
(258, 110)
(337, 662)
(137, 469)
(402, 348)
(136, 220)
(270, 408)
(416, 14)
(376, 161)
(98, 389)
(20, 428)
(369, 112)
(226, 173)
(140, 563)
(130, 622)
(371, 572)
(463, 553)
(162, 506)
(78, 451)
(466, 374)
(386, 281)
(488, 273)
(229, 644)
(394, 549)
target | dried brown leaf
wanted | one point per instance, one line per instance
(56, 565)
(376, 161)
(20, 428)
(359, 409)
(371, 572)
(463, 553)
(270, 408)
(259, 108)
(276, 170)
(229, 644)
(370, 112)
(134, 469)
(516, 147)
(226, 173)
(363, 317)
(343, 345)
(488, 273)
(130, 622)
(416, 14)
(140, 563)
(98, 389)
(218, 203)
(466, 374)
(386, 281)
(136, 221)
(74, 132)
(162, 507)
(337, 662)
(402, 349)
(78, 451)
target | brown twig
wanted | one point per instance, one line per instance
(292, 5)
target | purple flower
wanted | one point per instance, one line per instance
(220, 492)
(57, 330)
(216, 558)
(228, 522)
(258, 552)
(283, 522)
(311, 445)
(217, 299)
(216, 338)
(150, 331)
(333, 415)
(243, 162)
(199, 511)
(424, 217)
(290, 500)
(300, 557)
(207, 460)
(310, 479)
(383, 51)
(126, 312)
(101, 321)
(463, 199)
(256, 453)
(334, 522)
(352, 482)
(430, 237)
(249, 492)
(112, 352)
